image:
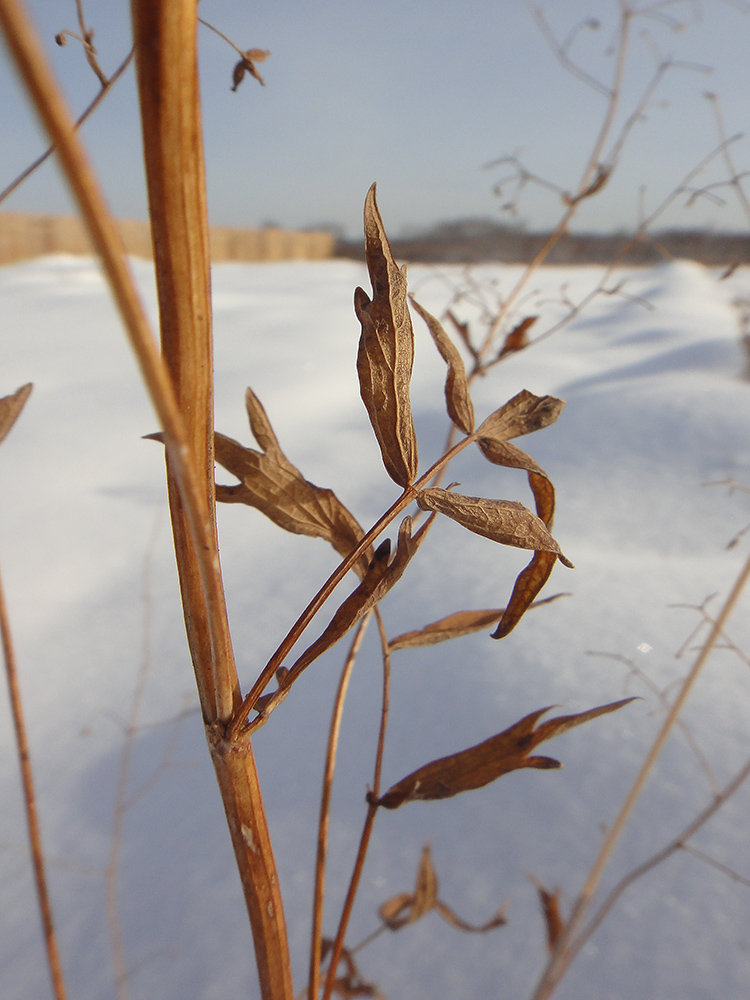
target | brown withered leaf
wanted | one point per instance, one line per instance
(407, 907)
(10, 408)
(270, 483)
(456, 625)
(517, 339)
(507, 454)
(523, 414)
(381, 575)
(553, 921)
(487, 761)
(457, 397)
(386, 351)
(463, 331)
(504, 521)
(528, 583)
(531, 579)
(247, 65)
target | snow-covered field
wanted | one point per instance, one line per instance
(657, 405)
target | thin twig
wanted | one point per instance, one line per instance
(79, 121)
(364, 842)
(29, 796)
(563, 954)
(325, 806)
(678, 843)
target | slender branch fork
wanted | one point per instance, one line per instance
(570, 943)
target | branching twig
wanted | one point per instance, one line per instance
(567, 947)
(111, 81)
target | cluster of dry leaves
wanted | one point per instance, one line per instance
(269, 482)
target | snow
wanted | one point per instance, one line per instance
(657, 405)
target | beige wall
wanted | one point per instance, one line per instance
(23, 236)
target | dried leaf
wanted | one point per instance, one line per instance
(454, 626)
(457, 398)
(270, 483)
(463, 332)
(10, 408)
(406, 908)
(553, 921)
(487, 761)
(531, 580)
(528, 584)
(499, 919)
(507, 454)
(517, 339)
(386, 351)
(504, 521)
(247, 65)
(523, 414)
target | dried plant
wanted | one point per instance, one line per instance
(180, 385)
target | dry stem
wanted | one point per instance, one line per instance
(568, 944)
(32, 819)
(325, 807)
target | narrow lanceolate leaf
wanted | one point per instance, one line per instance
(523, 414)
(269, 482)
(457, 398)
(378, 580)
(456, 625)
(504, 521)
(487, 761)
(386, 351)
(10, 408)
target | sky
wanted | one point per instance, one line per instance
(418, 96)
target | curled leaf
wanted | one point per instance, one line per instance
(407, 907)
(10, 408)
(531, 580)
(523, 414)
(386, 351)
(517, 339)
(457, 398)
(553, 921)
(270, 483)
(504, 521)
(463, 331)
(528, 584)
(487, 761)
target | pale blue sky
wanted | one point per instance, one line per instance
(418, 96)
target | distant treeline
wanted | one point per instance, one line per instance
(472, 241)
